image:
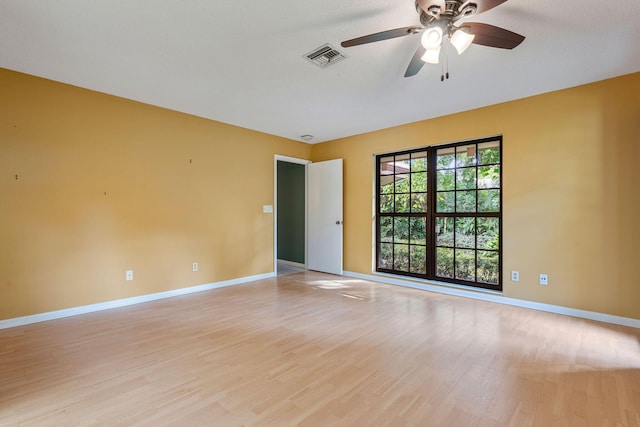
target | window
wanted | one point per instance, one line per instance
(439, 213)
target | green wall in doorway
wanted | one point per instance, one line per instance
(291, 202)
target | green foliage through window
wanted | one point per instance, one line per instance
(439, 213)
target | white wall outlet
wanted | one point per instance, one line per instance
(129, 275)
(195, 266)
(544, 279)
(515, 276)
(267, 208)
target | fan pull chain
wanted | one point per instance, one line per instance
(446, 58)
(446, 51)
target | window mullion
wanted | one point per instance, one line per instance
(410, 178)
(475, 221)
(431, 211)
(393, 221)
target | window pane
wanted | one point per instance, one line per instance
(418, 259)
(465, 265)
(419, 182)
(445, 202)
(444, 262)
(386, 166)
(418, 230)
(465, 201)
(419, 161)
(446, 158)
(466, 179)
(466, 233)
(488, 232)
(489, 177)
(419, 202)
(446, 180)
(444, 231)
(488, 200)
(385, 257)
(489, 153)
(401, 257)
(386, 204)
(401, 230)
(386, 229)
(402, 160)
(402, 202)
(466, 155)
(488, 267)
(386, 184)
(402, 183)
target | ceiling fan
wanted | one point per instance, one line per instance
(439, 21)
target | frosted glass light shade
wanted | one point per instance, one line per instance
(432, 38)
(432, 56)
(461, 40)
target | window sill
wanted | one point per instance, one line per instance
(406, 280)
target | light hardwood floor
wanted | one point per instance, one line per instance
(312, 349)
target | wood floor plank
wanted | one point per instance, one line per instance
(312, 349)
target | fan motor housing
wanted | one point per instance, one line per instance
(453, 9)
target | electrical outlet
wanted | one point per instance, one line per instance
(129, 275)
(544, 279)
(515, 276)
(195, 266)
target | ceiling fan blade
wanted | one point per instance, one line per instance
(384, 35)
(426, 4)
(416, 62)
(492, 36)
(484, 5)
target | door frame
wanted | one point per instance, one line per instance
(279, 158)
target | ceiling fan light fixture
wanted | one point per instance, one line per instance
(432, 38)
(462, 39)
(432, 56)
(440, 26)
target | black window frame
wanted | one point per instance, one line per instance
(431, 215)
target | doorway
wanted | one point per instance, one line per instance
(318, 187)
(290, 245)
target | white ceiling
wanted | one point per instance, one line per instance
(242, 62)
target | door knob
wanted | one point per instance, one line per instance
(338, 222)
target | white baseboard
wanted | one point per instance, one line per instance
(74, 311)
(496, 297)
(291, 263)
(484, 296)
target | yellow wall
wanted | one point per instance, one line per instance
(181, 189)
(106, 184)
(571, 163)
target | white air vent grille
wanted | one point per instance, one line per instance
(325, 56)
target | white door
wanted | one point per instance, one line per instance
(324, 232)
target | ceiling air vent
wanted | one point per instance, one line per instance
(325, 56)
